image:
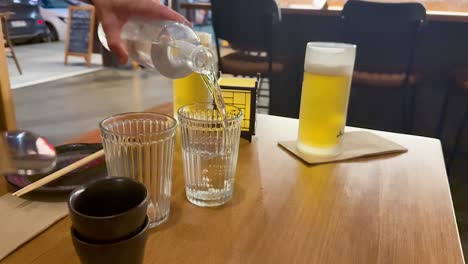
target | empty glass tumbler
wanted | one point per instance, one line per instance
(141, 146)
(209, 149)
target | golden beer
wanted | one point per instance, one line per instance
(324, 99)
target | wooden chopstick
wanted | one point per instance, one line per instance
(59, 173)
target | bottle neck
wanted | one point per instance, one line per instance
(201, 59)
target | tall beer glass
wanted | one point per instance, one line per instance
(328, 70)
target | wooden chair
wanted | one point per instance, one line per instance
(7, 113)
(460, 81)
(386, 36)
(6, 39)
(248, 26)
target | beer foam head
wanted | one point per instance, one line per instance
(205, 39)
(330, 58)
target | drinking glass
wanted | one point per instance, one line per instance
(328, 71)
(209, 149)
(141, 146)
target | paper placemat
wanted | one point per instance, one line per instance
(22, 219)
(355, 145)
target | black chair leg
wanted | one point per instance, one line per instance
(443, 114)
(350, 117)
(407, 95)
(409, 120)
(260, 85)
(458, 138)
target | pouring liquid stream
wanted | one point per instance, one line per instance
(207, 72)
(204, 65)
(162, 52)
(211, 82)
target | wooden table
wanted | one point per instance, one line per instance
(435, 5)
(448, 10)
(390, 209)
(7, 111)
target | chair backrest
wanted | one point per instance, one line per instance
(245, 24)
(385, 33)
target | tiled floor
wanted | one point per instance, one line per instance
(66, 108)
(44, 62)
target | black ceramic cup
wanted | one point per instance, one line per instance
(128, 250)
(108, 209)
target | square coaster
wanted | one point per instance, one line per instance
(355, 145)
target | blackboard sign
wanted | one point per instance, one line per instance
(80, 32)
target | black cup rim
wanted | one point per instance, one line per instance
(144, 227)
(111, 178)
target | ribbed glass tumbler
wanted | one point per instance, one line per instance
(141, 146)
(209, 148)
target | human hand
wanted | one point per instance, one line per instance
(115, 13)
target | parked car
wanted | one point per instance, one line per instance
(55, 14)
(26, 23)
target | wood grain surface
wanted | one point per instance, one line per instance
(442, 10)
(431, 5)
(7, 110)
(7, 114)
(441, 5)
(389, 209)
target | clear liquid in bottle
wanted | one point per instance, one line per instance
(169, 47)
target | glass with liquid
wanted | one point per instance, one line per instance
(210, 145)
(328, 70)
(141, 146)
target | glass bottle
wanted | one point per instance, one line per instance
(169, 47)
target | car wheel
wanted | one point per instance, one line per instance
(52, 33)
